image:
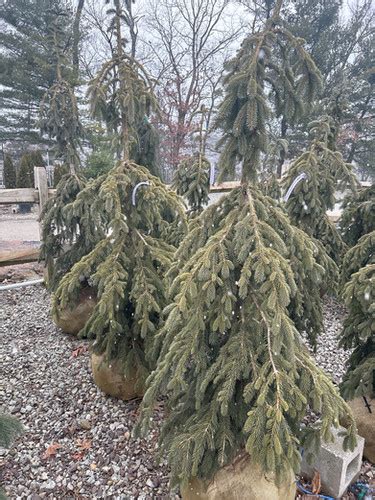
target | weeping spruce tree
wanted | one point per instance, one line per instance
(105, 91)
(231, 359)
(359, 332)
(66, 236)
(135, 219)
(192, 177)
(358, 216)
(268, 179)
(325, 172)
(358, 280)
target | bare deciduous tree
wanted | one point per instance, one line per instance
(188, 42)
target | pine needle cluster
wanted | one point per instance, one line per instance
(326, 172)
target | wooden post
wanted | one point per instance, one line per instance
(41, 184)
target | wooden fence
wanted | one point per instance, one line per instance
(38, 195)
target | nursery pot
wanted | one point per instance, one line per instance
(243, 479)
(110, 378)
(72, 320)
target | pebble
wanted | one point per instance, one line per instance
(84, 424)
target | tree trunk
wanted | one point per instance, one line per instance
(76, 38)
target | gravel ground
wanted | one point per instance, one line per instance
(78, 442)
(328, 355)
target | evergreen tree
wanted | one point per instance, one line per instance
(27, 64)
(25, 177)
(134, 215)
(192, 177)
(325, 172)
(66, 237)
(59, 109)
(109, 86)
(343, 49)
(10, 174)
(59, 171)
(358, 216)
(358, 333)
(360, 255)
(232, 361)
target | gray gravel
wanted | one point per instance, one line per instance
(328, 355)
(53, 394)
(93, 454)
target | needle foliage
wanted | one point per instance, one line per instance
(359, 333)
(135, 219)
(358, 281)
(326, 173)
(358, 216)
(231, 359)
(192, 177)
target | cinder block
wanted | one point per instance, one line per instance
(337, 468)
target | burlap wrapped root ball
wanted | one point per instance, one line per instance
(111, 379)
(241, 480)
(73, 319)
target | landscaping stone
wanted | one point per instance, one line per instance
(72, 320)
(241, 480)
(110, 379)
(337, 468)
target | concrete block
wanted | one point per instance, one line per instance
(337, 468)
